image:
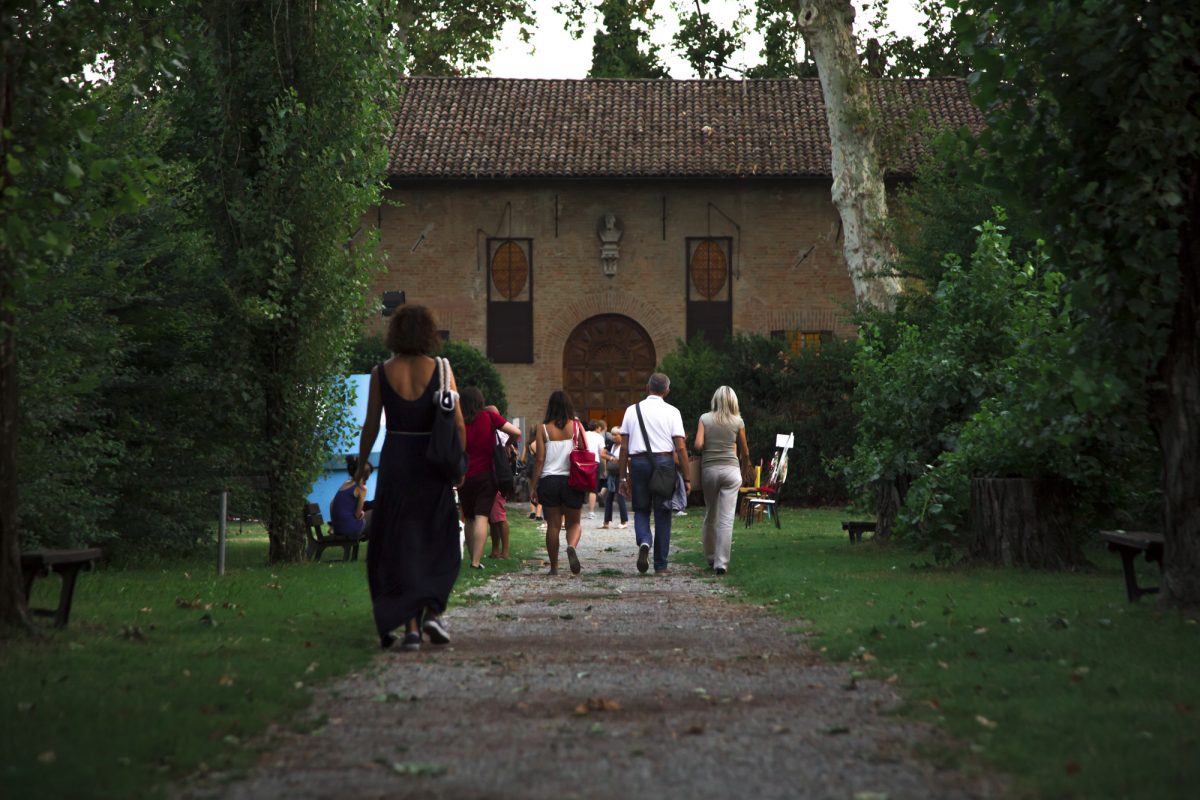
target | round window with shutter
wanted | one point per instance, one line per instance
(709, 269)
(510, 270)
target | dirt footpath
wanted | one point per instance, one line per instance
(606, 685)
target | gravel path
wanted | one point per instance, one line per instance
(606, 685)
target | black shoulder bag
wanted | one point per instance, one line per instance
(502, 469)
(662, 479)
(446, 453)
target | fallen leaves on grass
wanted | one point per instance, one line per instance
(225, 680)
(183, 602)
(985, 722)
(597, 704)
(132, 633)
(48, 757)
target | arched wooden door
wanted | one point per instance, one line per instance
(606, 362)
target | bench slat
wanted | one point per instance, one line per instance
(1141, 540)
(49, 557)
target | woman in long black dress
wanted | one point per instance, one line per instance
(413, 553)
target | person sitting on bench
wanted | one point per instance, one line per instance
(348, 512)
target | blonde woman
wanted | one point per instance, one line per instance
(721, 439)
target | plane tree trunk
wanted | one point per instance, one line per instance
(858, 187)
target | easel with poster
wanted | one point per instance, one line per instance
(764, 500)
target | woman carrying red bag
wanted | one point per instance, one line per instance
(548, 481)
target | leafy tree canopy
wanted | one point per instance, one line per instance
(452, 38)
(1092, 111)
(709, 47)
(621, 46)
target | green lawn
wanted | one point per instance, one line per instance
(167, 668)
(1053, 678)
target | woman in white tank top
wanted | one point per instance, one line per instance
(548, 480)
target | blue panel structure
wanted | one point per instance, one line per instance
(335, 474)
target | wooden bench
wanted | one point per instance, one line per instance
(857, 529)
(1128, 544)
(67, 563)
(318, 540)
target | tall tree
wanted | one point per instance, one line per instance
(450, 37)
(1093, 109)
(621, 46)
(785, 53)
(858, 188)
(936, 53)
(707, 46)
(284, 110)
(48, 117)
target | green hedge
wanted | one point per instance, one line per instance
(807, 394)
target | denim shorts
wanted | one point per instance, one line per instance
(554, 492)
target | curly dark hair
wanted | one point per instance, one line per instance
(559, 408)
(472, 403)
(413, 332)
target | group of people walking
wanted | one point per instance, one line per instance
(413, 556)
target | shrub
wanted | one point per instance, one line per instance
(367, 352)
(472, 368)
(779, 392)
(980, 391)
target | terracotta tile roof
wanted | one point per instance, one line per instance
(495, 128)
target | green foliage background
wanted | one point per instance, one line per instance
(778, 392)
(182, 254)
(472, 368)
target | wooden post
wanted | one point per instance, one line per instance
(221, 532)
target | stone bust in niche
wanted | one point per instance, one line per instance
(609, 232)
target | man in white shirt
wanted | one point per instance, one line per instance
(662, 426)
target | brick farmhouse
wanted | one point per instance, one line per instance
(577, 230)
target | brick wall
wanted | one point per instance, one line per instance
(787, 263)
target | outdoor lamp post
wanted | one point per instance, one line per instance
(392, 301)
